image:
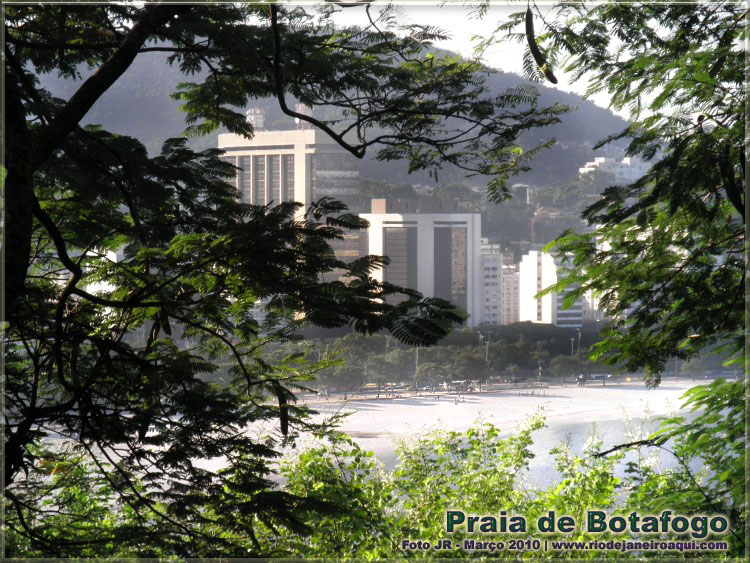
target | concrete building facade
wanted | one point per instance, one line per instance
(511, 312)
(591, 311)
(537, 271)
(436, 252)
(492, 287)
(301, 164)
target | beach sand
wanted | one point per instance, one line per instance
(616, 411)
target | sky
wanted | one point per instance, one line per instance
(457, 20)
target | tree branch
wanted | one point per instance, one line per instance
(730, 187)
(19, 191)
(357, 151)
(152, 18)
(55, 47)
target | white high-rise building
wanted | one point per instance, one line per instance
(492, 287)
(511, 298)
(302, 164)
(436, 252)
(538, 271)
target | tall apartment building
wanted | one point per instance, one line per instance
(511, 312)
(492, 287)
(537, 271)
(432, 248)
(493, 259)
(301, 164)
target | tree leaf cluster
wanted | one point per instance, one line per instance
(664, 253)
(134, 281)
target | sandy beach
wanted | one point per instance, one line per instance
(614, 410)
(619, 413)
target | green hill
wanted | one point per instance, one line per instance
(140, 106)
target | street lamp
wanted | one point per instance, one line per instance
(481, 342)
(317, 349)
(571, 346)
(486, 359)
(416, 369)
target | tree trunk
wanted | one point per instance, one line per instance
(18, 215)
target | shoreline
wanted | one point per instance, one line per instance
(378, 425)
(497, 389)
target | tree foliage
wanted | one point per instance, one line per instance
(481, 472)
(131, 279)
(709, 446)
(665, 253)
(380, 359)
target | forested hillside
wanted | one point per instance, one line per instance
(140, 106)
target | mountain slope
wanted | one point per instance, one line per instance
(139, 105)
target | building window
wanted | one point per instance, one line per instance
(274, 174)
(259, 180)
(245, 180)
(400, 245)
(287, 161)
(451, 264)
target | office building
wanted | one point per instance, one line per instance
(301, 164)
(432, 248)
(591, 310)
